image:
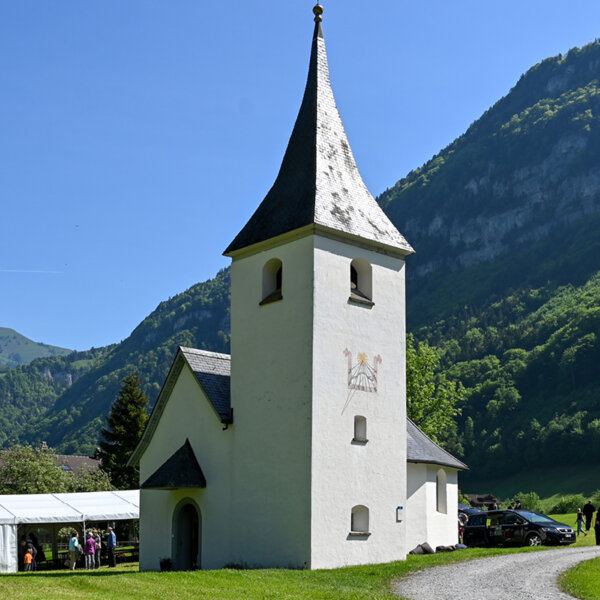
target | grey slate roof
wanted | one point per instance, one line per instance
(213, 372)
(181, 470)
(421, 449)
(319, 183)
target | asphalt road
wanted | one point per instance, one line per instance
(529, 576)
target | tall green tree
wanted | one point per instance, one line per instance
(432, 400)
(125, 425)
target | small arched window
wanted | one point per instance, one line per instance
(441, 482)
(359, 519)
(361, 281)
(272, 281)
(360, 430)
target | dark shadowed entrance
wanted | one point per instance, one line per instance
(187, 528)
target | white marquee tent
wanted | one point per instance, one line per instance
(22, 509)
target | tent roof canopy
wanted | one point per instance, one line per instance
(70, 508)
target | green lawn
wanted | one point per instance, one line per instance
(583, 580)
(351, 583)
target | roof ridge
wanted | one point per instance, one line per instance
(220, 355)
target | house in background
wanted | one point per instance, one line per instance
(292, 452)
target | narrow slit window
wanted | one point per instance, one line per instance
(441, 483)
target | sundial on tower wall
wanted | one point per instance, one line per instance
(362, 375)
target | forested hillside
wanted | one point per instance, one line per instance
(506, 224)
(16, 349)
(198, 317)
(28, 392)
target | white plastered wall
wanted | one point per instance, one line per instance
(346, 474)
(271, 379)
(187, 414)
(424, 522)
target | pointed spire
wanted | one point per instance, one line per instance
(318, 183)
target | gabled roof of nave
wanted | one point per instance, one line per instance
(422, 449)
(319, 183)
(212, 367)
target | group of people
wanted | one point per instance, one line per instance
(32, 552)
(587, 513)
(92, 549)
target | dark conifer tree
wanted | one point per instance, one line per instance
(125, 425)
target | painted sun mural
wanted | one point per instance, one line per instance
(361, 375)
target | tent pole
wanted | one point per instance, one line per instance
(55, 547)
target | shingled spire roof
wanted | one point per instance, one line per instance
(319, 184)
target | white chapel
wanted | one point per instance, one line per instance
(295, 451)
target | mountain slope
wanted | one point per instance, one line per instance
(506, 224)
(28, 392)
(198, 317)
(16, 349)
(521, 189)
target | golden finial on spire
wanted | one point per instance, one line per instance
(318, 11)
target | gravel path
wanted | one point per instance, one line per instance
(530, 576)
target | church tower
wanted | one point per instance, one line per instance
(318, 357)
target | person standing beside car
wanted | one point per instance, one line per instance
(580, 522)
(588, 511)
(597, 528)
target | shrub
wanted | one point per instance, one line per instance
(569, 504)
(529, 501)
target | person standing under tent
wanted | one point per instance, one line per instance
(98, 540)
(90, 551)
(28, 560)
(73, 550)
(111, 544)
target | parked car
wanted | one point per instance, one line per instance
(469, 510)
(515, 528)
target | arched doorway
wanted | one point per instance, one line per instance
(187, 536)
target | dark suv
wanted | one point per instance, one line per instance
(516, 528)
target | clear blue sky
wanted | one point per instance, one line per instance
(137, 137)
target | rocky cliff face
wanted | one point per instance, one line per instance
(526, 173)
(538, 199)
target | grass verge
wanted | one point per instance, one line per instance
(350, 583)
(583, 580)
